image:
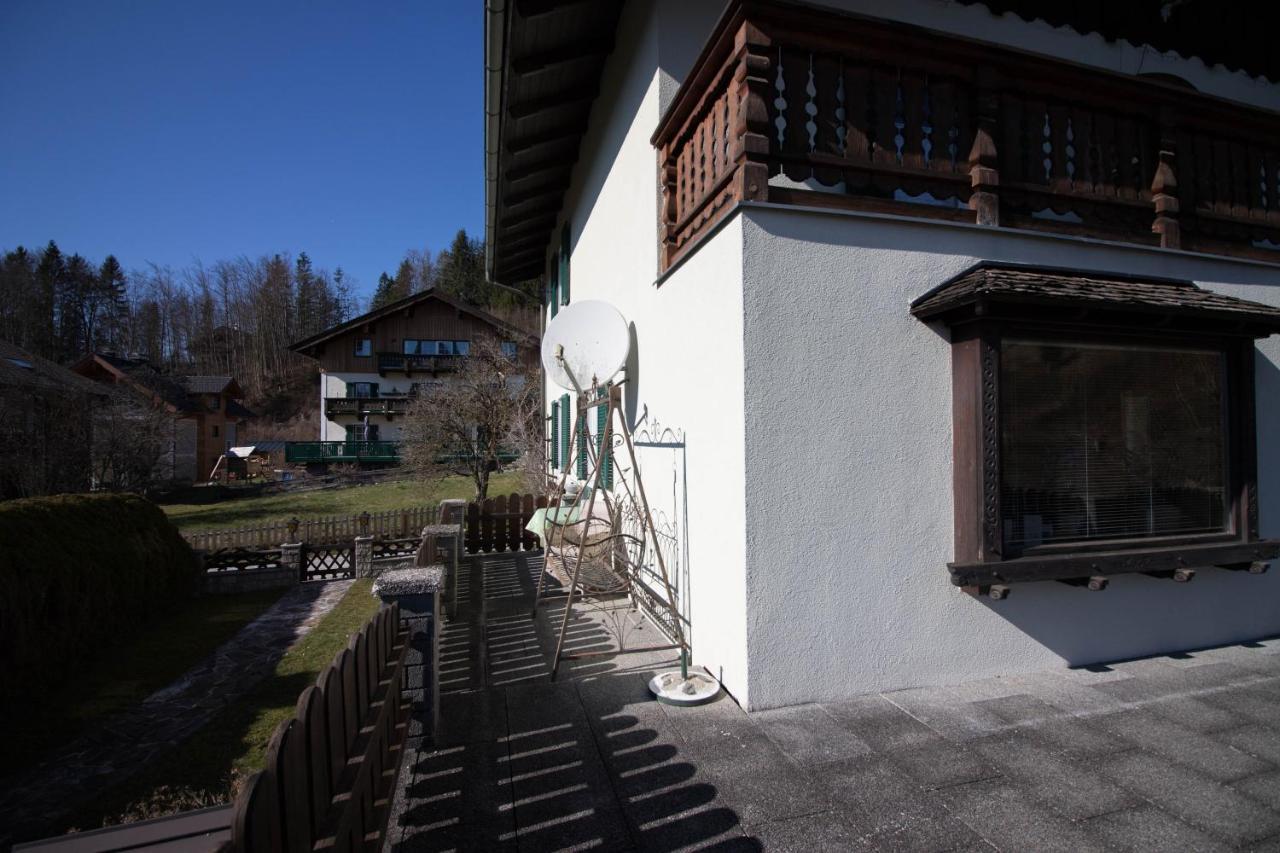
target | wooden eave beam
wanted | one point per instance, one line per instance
(564, 133)
(546, 212)
(560, 100)
(534, 8)
(540, 167)
(595, 47)
(543, 191)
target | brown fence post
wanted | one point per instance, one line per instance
(473, 528)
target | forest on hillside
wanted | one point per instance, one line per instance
(235, 316)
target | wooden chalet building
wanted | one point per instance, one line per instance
(954, 321)
(205, 411)
(372, 367)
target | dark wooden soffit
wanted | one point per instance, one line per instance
(544, 67)
(1239, 36)
(988, 289)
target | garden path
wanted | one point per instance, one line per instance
(126, 742)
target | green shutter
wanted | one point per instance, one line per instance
(555, 433)
(606, 456)
(565, 432)
(555, 285)
(564, 265)
(582, 446)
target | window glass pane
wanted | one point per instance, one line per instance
(364, 346)
(410, 347)
(462, 347)
(444, 347)
(509, 349)
(1110, 442)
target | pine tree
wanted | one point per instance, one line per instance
(114, 285)
(50, 272)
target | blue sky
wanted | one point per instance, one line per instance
(169, 131)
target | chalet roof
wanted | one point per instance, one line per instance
(21, 369)
(543, 61)
(210, 385)
(238, 410)
(399, 305)
(1064, 288)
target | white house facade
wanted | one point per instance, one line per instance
(952, 331)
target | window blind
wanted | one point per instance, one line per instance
(1111, 442)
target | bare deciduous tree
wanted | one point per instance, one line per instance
(465, 424)
(129, 438)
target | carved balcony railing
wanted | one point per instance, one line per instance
(367, 405)
(389, 362)
(799, 106)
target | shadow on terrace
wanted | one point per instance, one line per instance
(587, 761)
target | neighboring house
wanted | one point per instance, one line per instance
(943, 313)
(372, 366)
(46, 425)
(205, 411)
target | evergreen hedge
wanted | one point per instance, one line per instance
(78, 574)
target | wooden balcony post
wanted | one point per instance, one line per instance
(984, 164)
(751, 131)
(1164, 186)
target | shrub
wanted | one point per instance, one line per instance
(78, 574)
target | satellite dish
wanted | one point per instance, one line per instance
(593, 339)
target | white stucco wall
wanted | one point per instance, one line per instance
(848, 486)
(335, 384)
(684, 381)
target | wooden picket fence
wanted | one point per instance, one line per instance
(497, 524)
(392, 523)
(330, 768)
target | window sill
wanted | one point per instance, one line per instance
(1121, 561)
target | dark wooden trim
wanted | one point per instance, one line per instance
(980, 557)
(578, 51)
(1107, 563)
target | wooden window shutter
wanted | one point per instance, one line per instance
(582, 446)
(555, 284)
(565, 432)
(606, 457)
(555, 433)
(564, 265)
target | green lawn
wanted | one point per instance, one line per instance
(126, 674)
(206, 769)
(241, 512)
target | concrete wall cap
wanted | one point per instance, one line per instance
(417, 580)
(440, 530)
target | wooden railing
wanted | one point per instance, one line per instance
(367, 405)
(800, 106)
(331, 767)
(392, 523)
(388, 361)
(342, 451)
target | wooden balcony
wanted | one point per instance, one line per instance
(367, 405)
(302, 452)
(395, 362)
(801, 106)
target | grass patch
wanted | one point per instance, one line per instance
(127, 674)
(208, 768)
(242, 512)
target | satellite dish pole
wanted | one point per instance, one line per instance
(591, 339)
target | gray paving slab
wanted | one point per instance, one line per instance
(1262, 742)
(1194, 798)
(1009, 818)
(830, 830)
(1020, 709)
(1265, 788)
(941, 711)
(1195, 713)
(879, 723)
(1181, 745)
(1068, 786)
(809, 735)
(941, 764)
(894, 813)
(1147, 828)
(1249, 703)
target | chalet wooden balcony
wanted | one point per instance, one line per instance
(398, 405)
(395, 362)
(800, 106)
(302, 452)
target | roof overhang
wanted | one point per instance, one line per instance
(543, 61)
(996, 291)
